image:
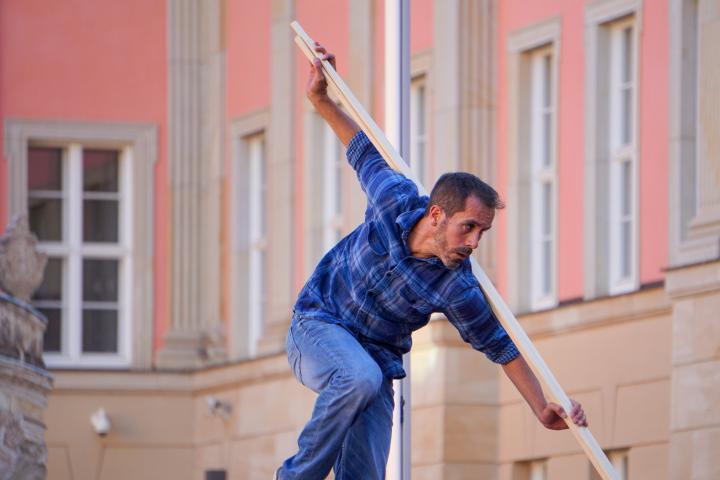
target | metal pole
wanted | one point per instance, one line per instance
(397, 128)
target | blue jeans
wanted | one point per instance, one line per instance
(351, 422)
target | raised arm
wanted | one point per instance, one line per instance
(343, 126)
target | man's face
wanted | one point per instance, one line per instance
(456, 237)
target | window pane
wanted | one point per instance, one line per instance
(420, 116)
(100, 280)
(45, 169)
(547, 266)
(547, 138)
(547, 208)
(627, 107)
(46, 218)
(51, 287)
(547, 81)
(52, 338)
(626, 188)
(100, 220)
(263, 188)
(100, 170)
(627, 53)
(99, 331)
(625, 248)
(338, 185)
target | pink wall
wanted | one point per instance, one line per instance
(421, 25)
(77, 60)
(654, 131)
(313, 15)
(247, 28)
(515, 14)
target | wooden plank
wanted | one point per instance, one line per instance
(502, 311)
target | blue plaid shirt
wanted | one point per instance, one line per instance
(372, 285)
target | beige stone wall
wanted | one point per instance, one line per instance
(614, 355)
(695, 435)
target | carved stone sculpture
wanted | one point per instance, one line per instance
(21, 265)
(24, 382)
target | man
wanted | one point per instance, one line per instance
(353, 319)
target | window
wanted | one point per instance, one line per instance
(619, 461)
(611, 257)
(538, 470)
(89, 191)
(257, 209)
(418, 129)
(325, 197)
(333, 160)
(542, 186)
(623, 165)
(249, 181)
(532, 165)
(530, 470)
(78, 207)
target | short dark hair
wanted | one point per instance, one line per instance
(452, 189)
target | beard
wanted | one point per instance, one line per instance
(452, 258)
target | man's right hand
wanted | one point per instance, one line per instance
(316, 89)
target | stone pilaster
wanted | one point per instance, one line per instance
(695, 418)
(195, 150)
(706, 224)
(694, 126)
(463, 72)
(280, 178)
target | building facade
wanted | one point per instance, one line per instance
(183, 189)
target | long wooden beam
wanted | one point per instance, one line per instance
(355, 109)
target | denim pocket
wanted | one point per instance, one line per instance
(293, 353)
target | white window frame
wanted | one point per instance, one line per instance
(138, 142)
(526, 172)
(333, 159)
(246, 243)
(603, 152)
(623, 160)
(544, 173)
(73, 250)
(419, 128)
(257, 209)
(537, 470)
(619, 459)
(325, 188)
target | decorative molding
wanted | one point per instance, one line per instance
(534, 36)
(420, 63)
(603, 11)
(142, 139)
(462, 91)
(195, 153)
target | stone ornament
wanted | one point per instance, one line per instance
(21, 265)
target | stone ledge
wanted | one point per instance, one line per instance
(224, 376)
(693, 280)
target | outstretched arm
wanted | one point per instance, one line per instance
(343, 126)
(548, 413)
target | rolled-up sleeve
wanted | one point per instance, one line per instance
(476, 322)
(382, 185)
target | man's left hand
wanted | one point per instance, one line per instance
(553, 415)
